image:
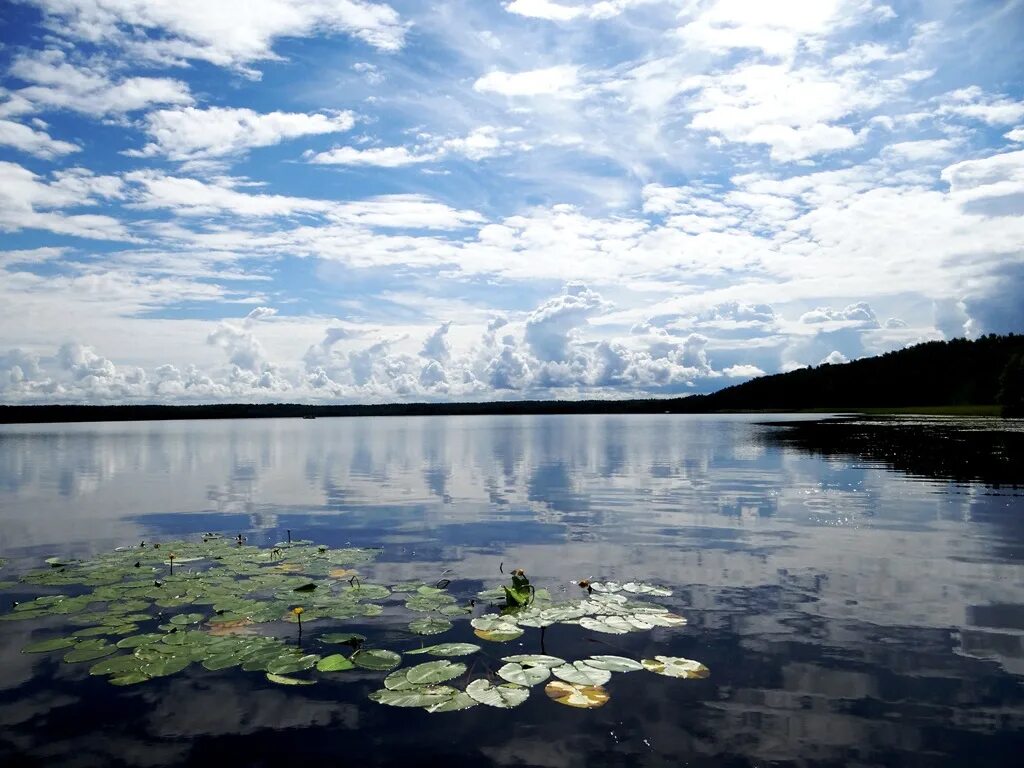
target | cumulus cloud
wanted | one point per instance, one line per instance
(190, 133)
(56, 83)
(552, 11)
(859, 314)
(551, 328)
(549, 81)
(34, 142)
(173, 31)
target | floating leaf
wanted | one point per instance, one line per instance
(447, 649)
(183, 619)
(614, 663)
(417, 697)
(580, 696)
(612, 625)
(584, 674)
(608, 586)
(343, 638)
(675, 666)
(53, 644)
(535, 660)
(85, 652)
(342, 573)
(504, 696)
(117, 665)
(166, 666)
(527, 676)
(282, 680)
(334, 663)
(136, 640)
(292, 662)
(665, 620)
(376, 659)
(639, 588)
(433, 672)
(457, 702)
(429, 626)
(129, 678)
(498, 636)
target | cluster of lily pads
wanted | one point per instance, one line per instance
(152, 610)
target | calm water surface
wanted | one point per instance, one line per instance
(850, 615)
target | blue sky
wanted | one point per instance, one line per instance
(343, 200)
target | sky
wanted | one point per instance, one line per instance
(353, 201)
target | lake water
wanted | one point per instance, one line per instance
(850, 615)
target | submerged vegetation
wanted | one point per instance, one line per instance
(150, 611)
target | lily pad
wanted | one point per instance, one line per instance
(342, 638)
(457, 702)
(526, 676)
(536, 660)
(612, 625)
(87, 653)
(574, 695)
(282, 680)
(183, 619)
(292, 662)
(417, 697)
(376, 659)
(675, 666)
(429, 626)
(166, 666)
(639, 588)
(447, 649)
(582, 673)
(504, 696)
(433, 672)
(334, 663)
(53, 644)
(614, 663)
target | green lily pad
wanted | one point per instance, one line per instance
(457, 702)
(582, 674)
(447, 649)
(675, 666)
(129, 678)
(116, 665)
(183, 619)
(525, 676)
(429, 626)
(376, 659)
(433, 672)
(614, 663)
(136, 640)
(88, 653)
(292, 662)
(282, 680)
(166, 666)
(53, 644)
(611, 625)
(535, 660)
(334, 663)
(504, 696)
(417, 697)
(343, 638)
(639, 588)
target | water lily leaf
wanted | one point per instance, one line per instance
(607, 586)
(183, 619)
(498, 636)
(84, 653)
(53, 644)
(117, 665)
(527, 676)
(336, 662)
(417, 697)
(282, 680)
(344, 638)
(665, 619)
(535, 660)
(504, 696)
(342, 573)
(397, 681)
(580, 696)
(612, 625)
(639, 588)
(136, 640)
(129, 678)
(447, 649)
(292, 662)
(454, 610)
(376, 659)
(675, 666)
(433, 672)
(614, 663)
(429, 626)
(166, 666)
(92, 632)
(367, 592)
(581, 673)
(459, 701)
(222, 661)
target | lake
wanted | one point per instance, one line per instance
(849, 614)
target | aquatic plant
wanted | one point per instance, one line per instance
(136, 619)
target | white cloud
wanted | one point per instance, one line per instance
(536, 82)
(225, 34)
(381, 157)
(834, 358)
(552, 11)
(33, 142)
(742, 371)
(55, 83)
(975, 103)
(1016, 135)
(190, 133)
(856, 315)
(922, 149)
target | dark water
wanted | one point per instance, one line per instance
(851, 615)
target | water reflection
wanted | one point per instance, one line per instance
(849, 614)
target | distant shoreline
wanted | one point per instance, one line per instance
(49, 414)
